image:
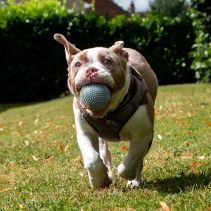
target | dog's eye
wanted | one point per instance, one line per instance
(77, 64)
(106, 61)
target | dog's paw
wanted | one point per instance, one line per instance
(101, 184)
(133, 184)
(126, 173)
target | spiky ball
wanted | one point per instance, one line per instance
(95, 96)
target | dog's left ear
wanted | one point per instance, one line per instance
(118, 49)
(70, 50)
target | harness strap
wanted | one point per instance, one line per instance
(110, 125)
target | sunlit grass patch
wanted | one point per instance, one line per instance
(41, 167)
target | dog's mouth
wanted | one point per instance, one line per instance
(96, 113)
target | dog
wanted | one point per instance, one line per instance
(129, 116)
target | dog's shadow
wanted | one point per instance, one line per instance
(182, 183)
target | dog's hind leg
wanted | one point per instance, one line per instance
(137, 181)
(140, 142)
(105, 156)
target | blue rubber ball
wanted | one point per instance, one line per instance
(95, 96)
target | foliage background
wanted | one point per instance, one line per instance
(33, 65)
(201, 15)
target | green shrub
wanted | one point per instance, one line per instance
(30, 70)
(165, 43)
(33, 65)
(201, 14)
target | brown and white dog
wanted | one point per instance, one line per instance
(129, 115)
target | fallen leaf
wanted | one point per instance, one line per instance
(34, 158)
(48, 146)
(20, 123)
(26, 143)
(16, 133)
(77, 159)
(209, 208)
(157, 113)
(164, 206)
(125, 148)
(208, 123)
(5, 190)
(186, 143)
(61, 148)
(166, 153)
(160, 137)
(49, 159)
(20, 206)
(73, 126)
(187, 131)
(36, 121)
(202, 157)
(193, 164)
(66, 149)
(186, 155)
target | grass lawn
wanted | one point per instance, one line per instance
(41, 167)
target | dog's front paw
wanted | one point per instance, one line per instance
(126, 173)
(133, 184)
(100, 182)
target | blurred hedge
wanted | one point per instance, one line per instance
(33, 65)
(201, 14)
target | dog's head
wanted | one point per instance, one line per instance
(97, 65)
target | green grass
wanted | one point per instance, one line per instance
(41, 166)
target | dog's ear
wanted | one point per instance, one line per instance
(70, 50)
(118, 49)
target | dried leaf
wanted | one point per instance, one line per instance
(26, 143)
(164, 206)
(49, 159)
(166, 153)
(5, 190)
(61, 148)
(66, 149)
(209, 208)
(20, 123)
(36, 121)
(73, 126)
(21, 206)
(125, 148)
(186, 143)
(186, 155)
(123, 209)
(202, 157)
(160, 137)
(35, 158)
(16, 133)
(208, 123)
(193, 164)
(187, 131)
(48, 146)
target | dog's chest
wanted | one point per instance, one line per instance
(109, 127)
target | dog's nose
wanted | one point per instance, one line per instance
(91, 70)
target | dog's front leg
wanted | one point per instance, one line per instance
(88, 143)
(106, 156)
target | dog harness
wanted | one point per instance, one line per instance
(110, 125)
